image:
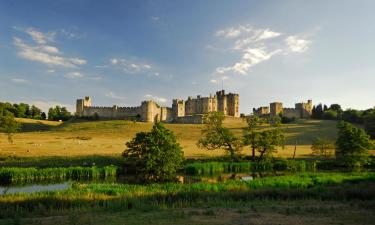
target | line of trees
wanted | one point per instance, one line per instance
(335, 112)
(59, 113)
(23, 110)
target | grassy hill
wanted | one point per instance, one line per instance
(46, 138)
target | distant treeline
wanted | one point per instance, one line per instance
(335, 112)
(23, 110)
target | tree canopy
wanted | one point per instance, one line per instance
(215, 136)
(156, 154)
(352, 145)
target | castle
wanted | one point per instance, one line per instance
(189, 111)
(301, 110)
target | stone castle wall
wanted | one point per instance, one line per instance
(149, 111)
(301, 110)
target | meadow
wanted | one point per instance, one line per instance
(84, 138)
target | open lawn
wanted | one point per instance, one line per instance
(46, 138)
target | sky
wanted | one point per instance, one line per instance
(124, 52)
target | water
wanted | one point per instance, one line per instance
(34, 188)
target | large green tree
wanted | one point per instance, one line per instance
(8, 126)
(215, 136)
(268, 141)
(352, 145)
(157, 155)
(250, 135)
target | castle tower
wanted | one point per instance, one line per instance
(233, 105)
(178, 108)
(221, 102)
(276, 108)
(150, 111)
(81, 104)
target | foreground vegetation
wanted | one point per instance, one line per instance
(81, 197)
(26, 175)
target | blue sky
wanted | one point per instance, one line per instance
(123, 52)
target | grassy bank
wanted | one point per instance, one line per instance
(11, 175)
(319, 186)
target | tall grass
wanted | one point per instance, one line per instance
(327, 186)
(209, 168)
(31, 174)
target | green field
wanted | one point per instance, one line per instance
(45, 138)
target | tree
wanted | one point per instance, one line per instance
(250, 136)
(322, 147)
(330, 115)
(59, 113)
(43, 116)
(8, 125)
(318, 113)
(352, 116)
(156, 154)
(335, 107)
(35, 112)
(268, 141)
(215, 136)
(369, 122)
(352, 145)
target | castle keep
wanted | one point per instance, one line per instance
(301, 110)
(189, 111)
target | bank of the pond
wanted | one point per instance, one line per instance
(321, 186)
(10, 175)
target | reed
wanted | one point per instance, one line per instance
(209, 168)
(9, 175)
(319, 186)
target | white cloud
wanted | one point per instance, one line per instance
(155, 18)
(73, 75)
(132, 67)
(296, 44)
(114, 96)
(250, 58)
(51, 71)
(213, 81)
(156, 98)
(257, 45)
(43, 52)
(36, 54)
(19, 81)
(39, 37)
(228, 33)
(114, 61)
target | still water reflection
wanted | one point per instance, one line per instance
(33, 188)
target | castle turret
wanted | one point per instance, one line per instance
(81, 104)
(276, 108)
(178, 108)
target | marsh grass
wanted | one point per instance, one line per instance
(209, 168)
(319, 186)
(13, 175)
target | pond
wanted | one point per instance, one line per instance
(34, 188)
